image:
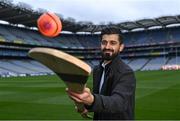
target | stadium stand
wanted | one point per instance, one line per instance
(137, 64)
(155, 64)
(174, 60)
(147, 49)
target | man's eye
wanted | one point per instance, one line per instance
(103, 42)
(113, 43)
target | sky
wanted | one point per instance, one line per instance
(104, 11)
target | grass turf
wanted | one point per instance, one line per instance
(44, 97)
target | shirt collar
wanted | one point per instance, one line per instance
(108, 64)
(104, 64)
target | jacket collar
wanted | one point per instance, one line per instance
(114, 61)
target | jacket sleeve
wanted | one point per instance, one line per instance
(123, 90)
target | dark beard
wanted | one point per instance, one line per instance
(107, 56)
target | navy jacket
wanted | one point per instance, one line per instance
(117, 98)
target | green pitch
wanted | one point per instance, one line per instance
(158, 95)
(44, 97)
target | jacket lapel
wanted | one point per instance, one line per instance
(106, 85)
(97, 79)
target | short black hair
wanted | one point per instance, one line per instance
(112, 30)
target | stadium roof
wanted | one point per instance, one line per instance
(22, 13)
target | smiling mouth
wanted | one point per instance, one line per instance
(108, 51)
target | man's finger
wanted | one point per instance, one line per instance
(79, 96)
(75, 99)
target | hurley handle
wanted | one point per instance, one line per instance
(78, 88)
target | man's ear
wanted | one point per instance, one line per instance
(121, 47)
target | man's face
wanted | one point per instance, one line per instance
(110, 46)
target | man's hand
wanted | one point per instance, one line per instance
(85, 97)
